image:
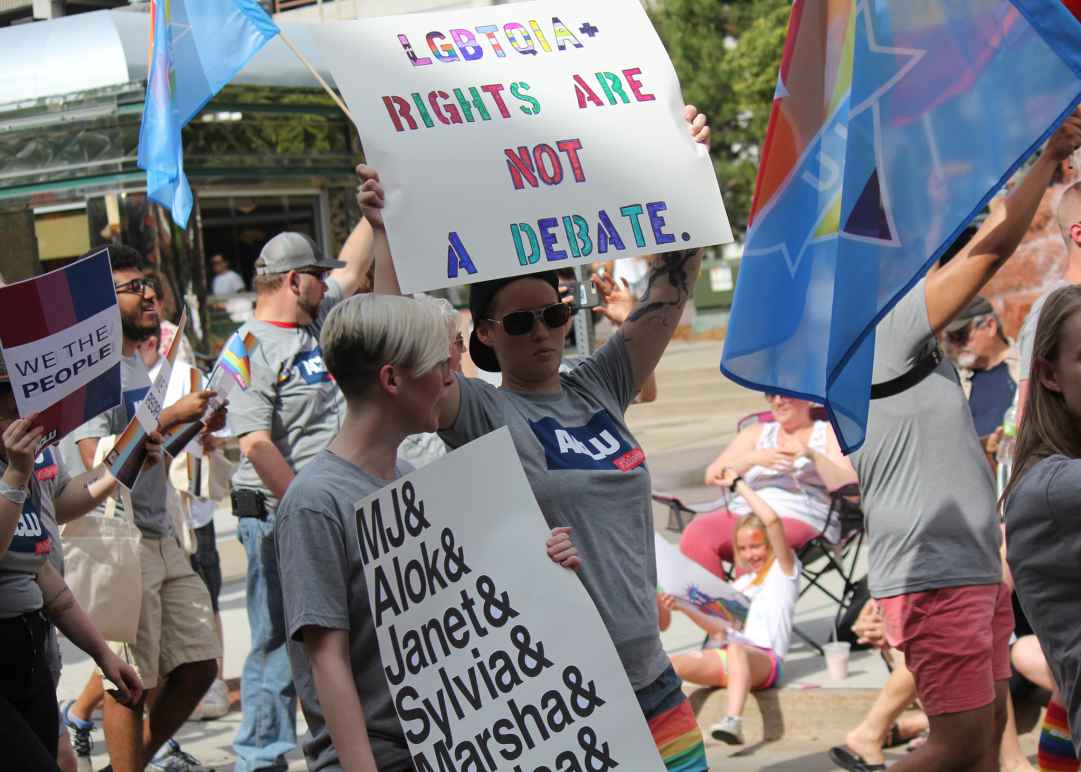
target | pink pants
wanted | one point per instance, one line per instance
(708, 538)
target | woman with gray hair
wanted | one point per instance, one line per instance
(389, 357)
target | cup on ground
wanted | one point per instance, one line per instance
(837, 659)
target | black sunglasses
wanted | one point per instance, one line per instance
(134, 287)
(521, 322)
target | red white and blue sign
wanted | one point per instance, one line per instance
(62, 347)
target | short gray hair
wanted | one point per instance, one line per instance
(447, 312)
(366, 332)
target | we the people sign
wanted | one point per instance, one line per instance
(520, 138)
(61, 339)
(495, 656)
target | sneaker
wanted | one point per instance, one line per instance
(215, 702)
(172, 759)
(79, 730)
(728, 731)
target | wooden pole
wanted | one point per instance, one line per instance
(326, 87)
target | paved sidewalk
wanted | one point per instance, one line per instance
(693, 418)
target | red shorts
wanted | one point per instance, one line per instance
(955, 641)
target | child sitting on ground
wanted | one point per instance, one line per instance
(750, 659)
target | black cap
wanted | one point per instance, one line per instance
(480, 301)
(977, 307)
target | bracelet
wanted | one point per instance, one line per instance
(734, 483)
(12, 493)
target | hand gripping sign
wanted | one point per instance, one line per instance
(521, 138)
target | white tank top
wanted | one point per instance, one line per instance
(799, 494)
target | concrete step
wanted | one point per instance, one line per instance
(796, 714)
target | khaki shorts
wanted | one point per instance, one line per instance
(176, 624)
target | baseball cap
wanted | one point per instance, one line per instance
(977, 307)
(481, 295)
(292, 251)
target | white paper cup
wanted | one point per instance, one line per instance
(837, 659)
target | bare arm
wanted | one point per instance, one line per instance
(83, 493)
(328, 652)
(649, 391)
(738, 455)
(833, 466)
(950, 289)
(774, 527)
(357, 255)
(68, 616)
(268, 461)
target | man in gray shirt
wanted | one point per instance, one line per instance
(929, 501)
(175, 650)
(291, 411)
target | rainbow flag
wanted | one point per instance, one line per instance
(197, 47)
(892, 125)
(235, 358)
(61, 343)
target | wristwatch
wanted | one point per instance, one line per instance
(732, 485)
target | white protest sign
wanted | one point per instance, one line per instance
(496, 657)
(148, 411)
(518, 138)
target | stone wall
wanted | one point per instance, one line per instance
(1039, 260)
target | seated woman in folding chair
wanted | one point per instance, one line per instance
(752, 659)
(793, 462)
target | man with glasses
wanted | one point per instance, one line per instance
(976, 344)
(291, 411)
(175, 648)
(1068, 216)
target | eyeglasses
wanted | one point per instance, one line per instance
(521, 322)
(134, 287)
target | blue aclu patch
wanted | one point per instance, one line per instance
(597, 445)
(310, 367)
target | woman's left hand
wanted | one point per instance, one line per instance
(699, 126)
(617, 302)
(727, 477)
(561, 550)
(129, 687)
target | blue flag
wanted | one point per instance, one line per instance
(893, 124)
(197, 48)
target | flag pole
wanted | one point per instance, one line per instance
(326, 87)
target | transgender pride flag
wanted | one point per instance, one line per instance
(893, 124)
(61, 341)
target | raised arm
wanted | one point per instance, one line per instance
(769, 518)
(88, 490)
(357, 255)
(371, 199)
(950, 289)
(833, 466)
(650, 327)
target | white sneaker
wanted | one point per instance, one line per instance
(729, 731)
(215, 702)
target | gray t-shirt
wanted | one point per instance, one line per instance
(1026, 338)
(36, 540)
(587, 471)
(292, 395)
(927, 490)
(148, 495)
(1043, 538)
(319, 548)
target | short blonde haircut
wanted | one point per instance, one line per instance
(366, 332)
(446, 311)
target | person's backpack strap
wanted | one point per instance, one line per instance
(925, 364)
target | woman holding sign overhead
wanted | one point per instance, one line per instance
(584, 465)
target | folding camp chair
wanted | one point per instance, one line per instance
(818, 557)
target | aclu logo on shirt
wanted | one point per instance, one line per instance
(310, 367)
(597, 445)
(30, 538)
(45, 465)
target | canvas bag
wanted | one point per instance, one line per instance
(102, 564)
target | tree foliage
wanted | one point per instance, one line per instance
(727, 54)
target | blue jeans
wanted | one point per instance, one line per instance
(268, 726)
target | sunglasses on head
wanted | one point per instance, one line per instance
(521, 322)
(134, 287)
